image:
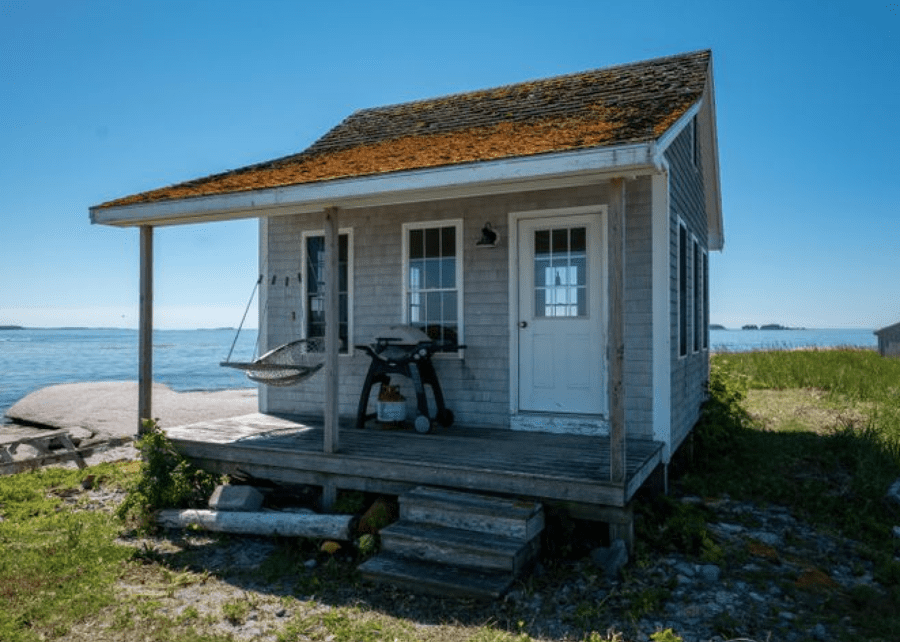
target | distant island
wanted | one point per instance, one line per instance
(768, 326)
(11, 327)
(716, 326)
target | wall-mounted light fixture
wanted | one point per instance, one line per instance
(489, 238)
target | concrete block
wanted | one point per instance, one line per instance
(235, 498)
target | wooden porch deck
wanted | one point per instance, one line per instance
(572, 470)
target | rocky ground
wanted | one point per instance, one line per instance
(762, 575)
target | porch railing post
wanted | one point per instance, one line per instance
(616, 236)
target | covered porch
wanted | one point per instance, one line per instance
(568, 471)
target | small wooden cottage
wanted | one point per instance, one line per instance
(889, 341)
(559, 229)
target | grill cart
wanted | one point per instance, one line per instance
(407, 351)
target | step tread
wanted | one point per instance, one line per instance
(437, 579)
(455, 537)
(470, 502)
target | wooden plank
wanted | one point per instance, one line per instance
(332, 331)
(145, 330)
(437, 579)
(616, 346)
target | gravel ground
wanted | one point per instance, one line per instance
(774, 579)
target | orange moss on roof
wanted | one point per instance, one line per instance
(631, 104)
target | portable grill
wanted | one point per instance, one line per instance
(407, 351)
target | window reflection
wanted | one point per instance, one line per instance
(560, 272)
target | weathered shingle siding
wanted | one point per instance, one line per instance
(690, 373)
(638, 309)
(477, 388)
(889, 341)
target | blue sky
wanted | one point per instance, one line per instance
(104, 99)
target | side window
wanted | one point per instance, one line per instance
(698, 295)
(705, 296)
(314, 286)
(682, 290)
(432, 278)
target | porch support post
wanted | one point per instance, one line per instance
(332, 330)
(145, 330)
(616, 236)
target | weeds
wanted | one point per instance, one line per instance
(165, 480)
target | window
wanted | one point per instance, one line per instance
(682, 291)
(314, 285)
(432, 278)
(560, 272)
(705, 301)
(698, 299)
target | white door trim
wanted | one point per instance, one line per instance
(514, 315)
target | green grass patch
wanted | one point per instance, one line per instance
(58, 564)
(817, 431)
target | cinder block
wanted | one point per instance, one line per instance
(236, 498)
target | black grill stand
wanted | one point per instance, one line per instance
(414, 362)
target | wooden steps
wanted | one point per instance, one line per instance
(457, 544)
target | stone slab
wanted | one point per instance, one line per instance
(109, 408)
(235, 498)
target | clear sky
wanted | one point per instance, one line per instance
(103, 99)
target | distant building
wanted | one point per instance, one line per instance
(889, 341)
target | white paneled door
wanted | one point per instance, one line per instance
(560, 325)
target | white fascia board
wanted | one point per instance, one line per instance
(562, 169)
(669, 136)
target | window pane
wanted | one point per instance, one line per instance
(542, 243)
(540, 303)
(342, 248)
(432, 274)
(416, 275)
(448, 272)
(433, 311)
(415, 308)
(560, 241)
(416, 244)
(432, 242)
(579, 239)
(448, 241)
(449, 301)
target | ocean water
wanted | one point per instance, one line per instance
(31, 359)
(748, 340)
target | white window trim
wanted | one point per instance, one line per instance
(351, 265)
(460, 248)
(704, 299)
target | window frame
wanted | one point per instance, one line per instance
(683, 289)
(696, 295)
(304, 325)
(406, 228)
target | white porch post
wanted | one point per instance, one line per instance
(145, 329)
(332, 330)
(616, 235)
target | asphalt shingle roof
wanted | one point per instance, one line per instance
(631, 103)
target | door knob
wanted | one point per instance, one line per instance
(523, 324)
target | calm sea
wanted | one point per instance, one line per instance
(31, 359)
(189, 359)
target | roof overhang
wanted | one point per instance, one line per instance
(563, 169)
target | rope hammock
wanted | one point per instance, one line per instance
(286, 365)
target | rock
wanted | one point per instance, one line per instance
(611, 559)
(893, 492)
(235, 498)
(710, 573)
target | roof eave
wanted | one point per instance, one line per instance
(559, 169)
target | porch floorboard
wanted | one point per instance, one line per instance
(550, 467)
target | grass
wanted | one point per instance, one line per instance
(819, 433)
(816, 431)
